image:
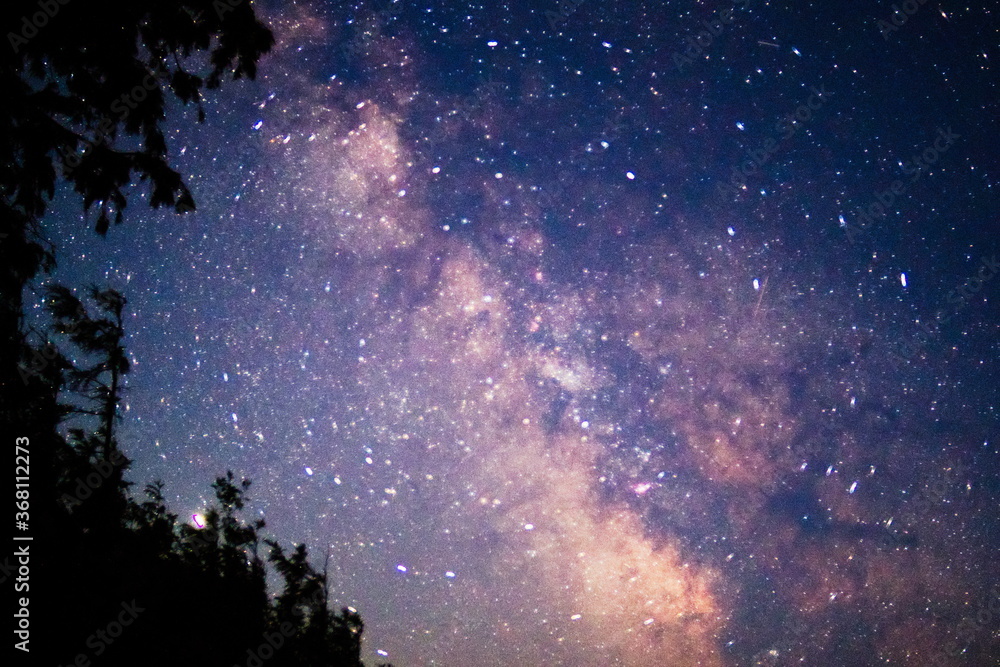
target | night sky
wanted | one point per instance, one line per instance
(581, 335)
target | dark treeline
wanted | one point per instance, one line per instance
(115, 579)
(132, 582)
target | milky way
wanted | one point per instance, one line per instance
(490, 334)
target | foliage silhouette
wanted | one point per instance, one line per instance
(86, 91)
(201, 590)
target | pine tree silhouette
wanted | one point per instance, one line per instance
(202, 590)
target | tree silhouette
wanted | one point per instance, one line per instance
(85, 92)
(334, 639)
(205, 584)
